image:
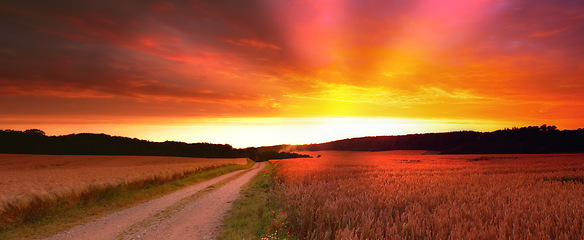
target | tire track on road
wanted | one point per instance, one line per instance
(200, 219)
(111, 226)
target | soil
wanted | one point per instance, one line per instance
(199, 219)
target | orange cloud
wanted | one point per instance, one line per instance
(548, 33)
(254, 43)
(509, 61)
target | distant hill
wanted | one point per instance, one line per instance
(35, 141)
(532, 139)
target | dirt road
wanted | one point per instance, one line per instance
(195, 212)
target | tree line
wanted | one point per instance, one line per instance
(531, 139)
(35, 141)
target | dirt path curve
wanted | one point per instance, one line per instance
(197, 220)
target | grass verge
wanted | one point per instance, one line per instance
(256, 214)
(44, 216)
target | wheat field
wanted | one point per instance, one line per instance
(391, 195)
(24, 176)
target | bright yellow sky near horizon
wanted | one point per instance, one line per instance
(254, 132)
(253, 73)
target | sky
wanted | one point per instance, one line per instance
(265, 72)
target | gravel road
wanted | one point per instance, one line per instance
(174, 216)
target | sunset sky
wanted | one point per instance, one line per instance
(252, 73)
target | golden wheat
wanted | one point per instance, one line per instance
(365, 195)
(24, 177)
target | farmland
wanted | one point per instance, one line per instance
(406, 195)
(24, 176)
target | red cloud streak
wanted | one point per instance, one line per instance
(515, 61)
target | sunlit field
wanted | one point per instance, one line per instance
(405, 195)
(24, 176)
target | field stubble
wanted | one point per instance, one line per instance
(383, 195)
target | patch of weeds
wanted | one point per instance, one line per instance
(256, 215)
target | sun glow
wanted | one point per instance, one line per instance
(271, 72)
(246, 132)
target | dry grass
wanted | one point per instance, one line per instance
(380, 195)
(26, 177)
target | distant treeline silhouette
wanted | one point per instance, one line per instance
(35, 141)
(532, 139)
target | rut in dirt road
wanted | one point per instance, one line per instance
(182, 216)
(200, 219)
